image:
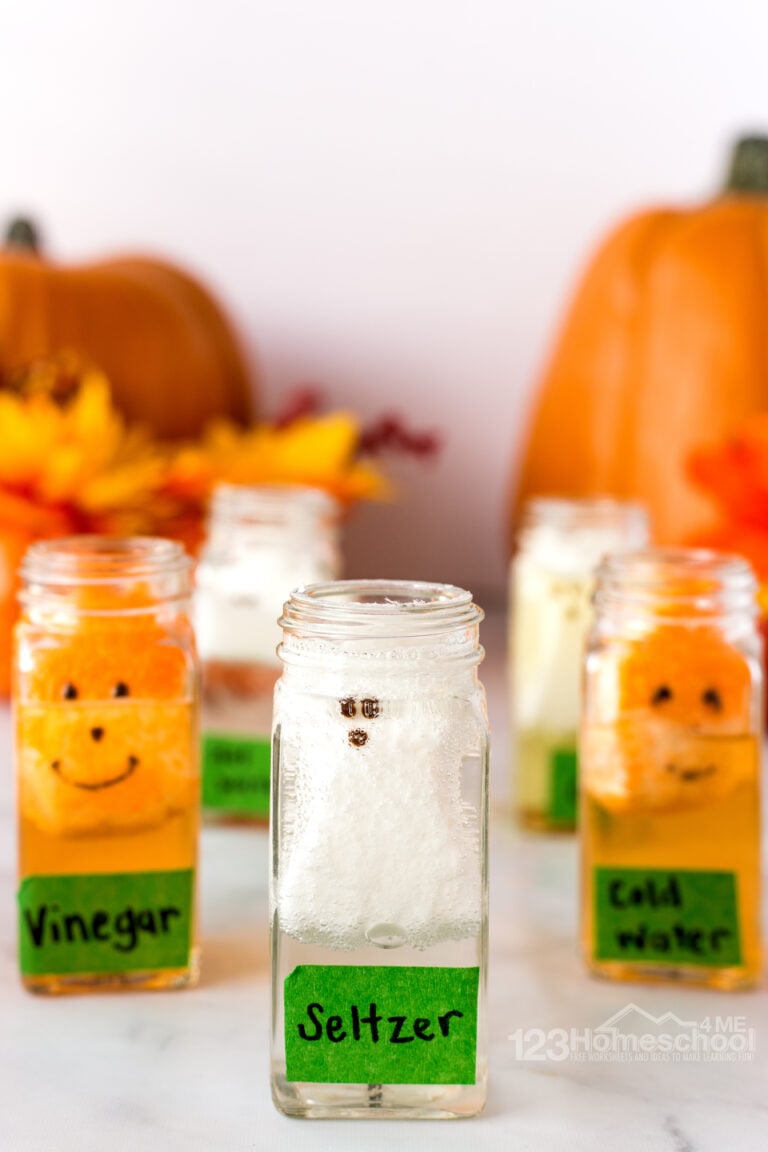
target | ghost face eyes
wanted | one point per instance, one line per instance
(368, 708)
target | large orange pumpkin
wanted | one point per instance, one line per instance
(170, 354)
(665, 347)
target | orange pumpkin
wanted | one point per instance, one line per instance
(170, 354)
(663, 349)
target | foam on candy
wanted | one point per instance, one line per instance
(380, 834)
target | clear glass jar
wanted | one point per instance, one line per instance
(379, 826)
(559, 546)
(105, 709)
(262, 543)
(670, 771)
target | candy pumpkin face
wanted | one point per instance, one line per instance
(682, 733)
(106, 733)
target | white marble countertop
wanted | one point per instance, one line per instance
(188, 1071)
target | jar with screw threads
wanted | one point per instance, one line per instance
(105, 703)
(559, 546)
(671, 767)
(262, 542)
(379, 834)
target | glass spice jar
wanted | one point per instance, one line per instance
(379, 882)
(552, 575)
(262, 542)
(670, 767)
(105, 699)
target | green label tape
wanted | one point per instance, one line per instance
(348, 1024)
(666, 914)
(236, 773)
(108, 922)
(563, 777)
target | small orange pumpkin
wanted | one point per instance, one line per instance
(170, 354)
(664, 348)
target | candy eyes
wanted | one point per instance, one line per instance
(369, 708)
(69, 691)
(712, 699)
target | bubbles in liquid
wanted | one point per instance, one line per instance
(380, 839)
(386, 936)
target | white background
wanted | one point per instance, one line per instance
(393, 199)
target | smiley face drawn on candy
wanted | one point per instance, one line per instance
(106, 734)
(97, 734)
(681, 733)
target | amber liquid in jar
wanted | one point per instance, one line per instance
(107, 764)
(671, 760)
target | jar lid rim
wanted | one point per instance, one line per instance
(101, 559)
(381, 608)
(381, 597)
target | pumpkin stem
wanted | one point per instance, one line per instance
(748, 173)
(22, 233)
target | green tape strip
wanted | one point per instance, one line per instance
(236, 774)
(108, 922)
(563, 786)
(370, 1024)
(666, 914)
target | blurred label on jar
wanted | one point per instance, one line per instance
(236, 773)
(563, 786)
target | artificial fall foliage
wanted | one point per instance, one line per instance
(70, 462)
(734, 473)
(74, 465)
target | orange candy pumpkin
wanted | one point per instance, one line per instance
(169, 352)
(663, 349)
(682, 700)
(107, 739)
